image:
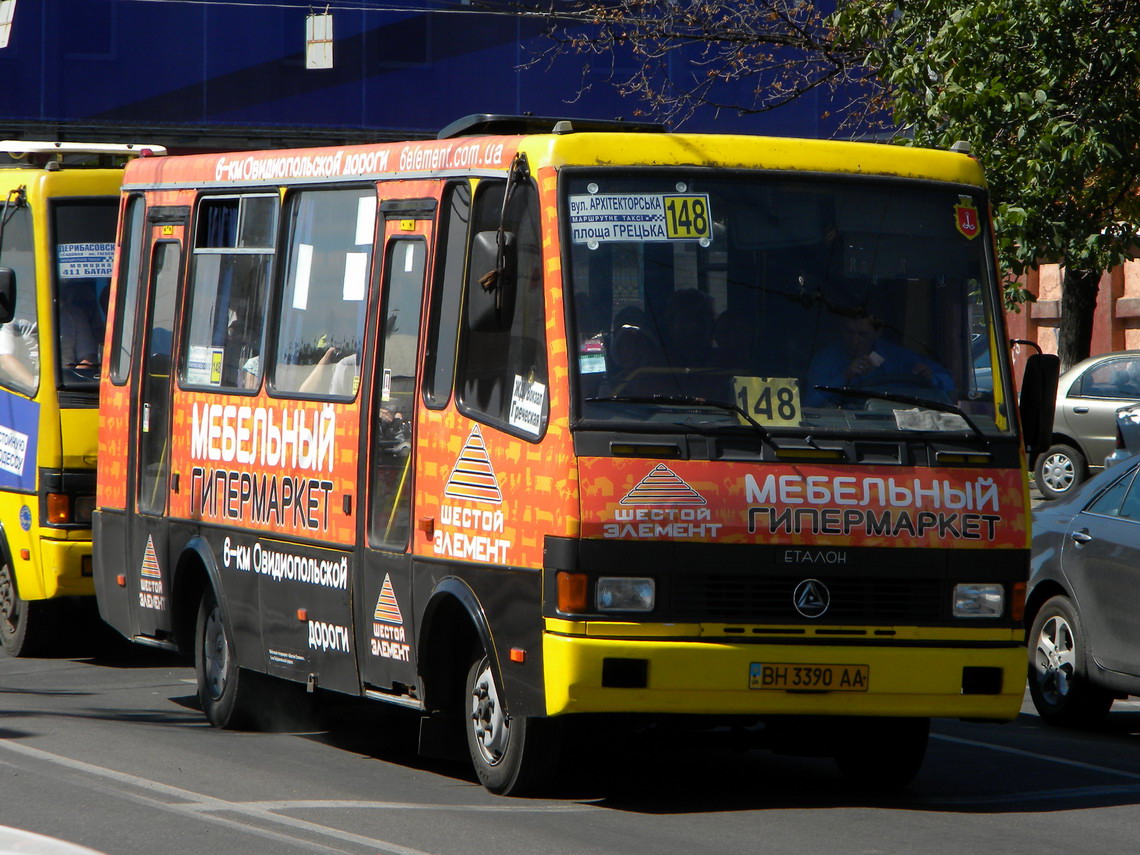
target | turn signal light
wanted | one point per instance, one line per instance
(58, 508)
(572, 590)
(1017, 601)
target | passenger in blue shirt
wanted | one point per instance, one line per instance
(862, 356)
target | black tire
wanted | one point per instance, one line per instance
(26, 626)
(512, 756)
(1059, 470)
(225, 691)
(882, 754)
(1058, 668)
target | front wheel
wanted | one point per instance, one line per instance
(1058, 668)
(224, 690)
(512, 756)
(25, 625)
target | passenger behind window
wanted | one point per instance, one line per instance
(20, 354)
(863, 358)
(634, 353)
(336, 373)
(78, 339)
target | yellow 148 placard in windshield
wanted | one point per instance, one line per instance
(769, 400)
(687, 217)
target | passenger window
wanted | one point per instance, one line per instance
(391, 493)
(130, 255)
(324, 300)
(1130, 507)
(446, 296)
(1108, 503)
(1119, 378)
(503, 371)
(20, 337)
(233, 264)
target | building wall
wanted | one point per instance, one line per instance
(1116, 324)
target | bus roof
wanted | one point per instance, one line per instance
(462, 155)
(38, 153)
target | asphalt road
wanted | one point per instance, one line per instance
(111, 752)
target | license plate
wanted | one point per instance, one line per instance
(779, 676)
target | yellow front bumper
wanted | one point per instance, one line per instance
(917, 674)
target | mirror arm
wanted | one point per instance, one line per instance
(516, 175)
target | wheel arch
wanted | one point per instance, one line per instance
(1042, 592)
(195, 570)
(6, 557)
(453, 624)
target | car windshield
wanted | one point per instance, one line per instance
(812, 304)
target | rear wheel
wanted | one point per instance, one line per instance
(1059, 470)
(224, 690)
(512, 756)
(25, 625)
(1058, 668)
(882, 754)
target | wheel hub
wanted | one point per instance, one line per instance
(1056, 659)
(216, 654)
(488, 722)
(1057, 472)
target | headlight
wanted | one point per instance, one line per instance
(974, 600)
(621, 594)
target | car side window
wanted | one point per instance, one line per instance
(1117, 378)
(1112, 502)
(1130, 507)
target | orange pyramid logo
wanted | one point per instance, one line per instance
(663, 486)
(150, 561)
(387, 609)
(473, 476)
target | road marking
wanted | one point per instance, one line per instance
(209, 808)
(1019, 752)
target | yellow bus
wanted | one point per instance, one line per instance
(58, 210)
(547, 429)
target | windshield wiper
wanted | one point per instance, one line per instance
(897, 398)
(689, 400)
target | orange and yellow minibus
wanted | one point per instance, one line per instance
(544, 428)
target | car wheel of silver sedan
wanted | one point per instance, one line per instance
(1059, 470)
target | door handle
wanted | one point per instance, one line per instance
(1081, 410)
(1081, 536)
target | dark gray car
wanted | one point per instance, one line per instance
(1084, 428)
(1083, 602)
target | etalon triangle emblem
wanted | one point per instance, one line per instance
(387, 609)
(473, 476)
(663, 486)
(150, 561)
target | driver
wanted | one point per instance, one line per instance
(862, 356)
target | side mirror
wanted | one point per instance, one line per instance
(7, 294)
(1038, 402)
(491, 281)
